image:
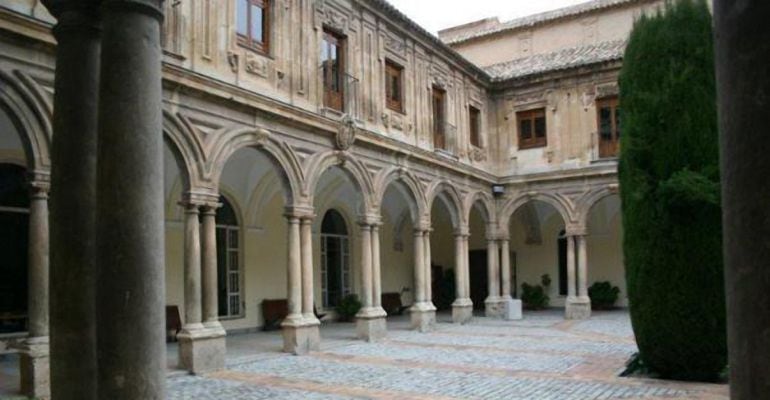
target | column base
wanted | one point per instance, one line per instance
(34, 368)
(494, 307)
(371, 324)
(423, 317)
(577, 308)
(202, 350)
(462, 311)
(301, 336)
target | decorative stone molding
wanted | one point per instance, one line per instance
(346, 133)
(325, 15)
(256, 65)
(232, 60)
(477, 154)
(606, 90)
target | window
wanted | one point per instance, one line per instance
(253, 24)
(393, 86)
(608, 120)
(333, 64)
(335, 259)
(532, 131)
(474, 118)
(228, 261)
(14, 244)
(439, 122)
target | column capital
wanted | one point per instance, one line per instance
(39, 190)
(200, 197)
(370, 219)
(190, 207)
(575, 230)
(300, 211)
(463, 231)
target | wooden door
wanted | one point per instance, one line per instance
(439, 121)
(608, 120)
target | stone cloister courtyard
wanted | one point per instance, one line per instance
(540, 357)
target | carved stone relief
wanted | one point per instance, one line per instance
(346, 133)
(256, 65)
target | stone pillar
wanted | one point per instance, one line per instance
(300, 335)
(505, 267)
(130, 279)
(423, 314)
(742, 42)
(492, 302)
(376, 269)
(73, 201)
(466, 266)
(428, 270)
(462, 307)
(192, 268)
(577, 306)
(33, 355)
(308, 298)
(371, 320)
(582, 268)
(202, 346)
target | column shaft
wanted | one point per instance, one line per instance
(419, 267)
(492, 269)
(130, 290)
(582, 267)
(505, 267)
(294, 270)
(466, 267)
(571, 275)
(210, 284)
(459, 281)
(38, 264)
(376, 269)
(428, 268)
(366, 266)
(73, 204)
(192, 267)
(307, 268)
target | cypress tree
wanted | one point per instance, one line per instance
(669, 183)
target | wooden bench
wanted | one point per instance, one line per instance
(391, 302)
(275, 310)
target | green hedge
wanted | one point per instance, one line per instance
(669, 180)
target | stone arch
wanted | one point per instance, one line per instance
(230, 140)
(559, 203)
(414, 190)
(446, 193)
(586, 202)
(186, 147)
(485, 204)
(31, 113)
(319, 163)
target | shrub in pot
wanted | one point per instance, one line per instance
(534, 297)
(348, 308)
(603, 295)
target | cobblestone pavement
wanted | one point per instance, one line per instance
(542, 357)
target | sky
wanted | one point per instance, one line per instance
(434, 15)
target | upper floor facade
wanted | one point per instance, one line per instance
(500, 101)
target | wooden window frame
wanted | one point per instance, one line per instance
(334, 99)
(474, 126)
(530, 117)
(247, 40)
(393, 70)
(613, 104)
(439, 118)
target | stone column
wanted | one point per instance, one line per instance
(33, 355)
(376, 269)
(422, 312)
(428, 270)
(202, 347)
(462, 307)
(192, 268)
(130, 279)
(582, 251)
(370, 321)
(492, 302)
(505, 267)
(466, 266)
(308, 298)
(73, 203)
(300, 335)
(577, 306)
(742, 42)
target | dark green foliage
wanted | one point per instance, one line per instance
(534, 297)
(445, 295)
(603, 295)
(348, 308)
(669, 180)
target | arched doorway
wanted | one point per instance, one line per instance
(335, 259)
(14, 236)
(228, 261)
